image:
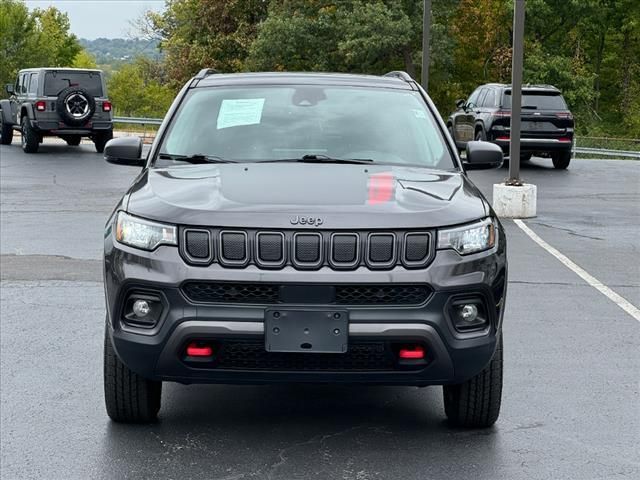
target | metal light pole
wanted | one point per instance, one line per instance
(426, 35)
(516, 92)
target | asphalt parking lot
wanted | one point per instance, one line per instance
(571, 406)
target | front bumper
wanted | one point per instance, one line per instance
(158, 353)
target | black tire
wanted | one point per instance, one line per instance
(100, 139)
(30, 138)
(129, 398)
(476, 402)
(73, 140)
(6, 132)
(76, 106)
(561, 160)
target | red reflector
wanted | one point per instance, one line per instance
(412, 352)
(564, 139)
(504, 139)
(198, 350)
(41, 106)
(106, 106)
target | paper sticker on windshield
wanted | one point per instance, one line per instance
(245, 111)
(419, 113)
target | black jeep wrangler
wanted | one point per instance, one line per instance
(304, 228)
(69, 103)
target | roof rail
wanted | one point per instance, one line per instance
(400, 74)
(205, 72)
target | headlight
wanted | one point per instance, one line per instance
(472, 238)
(145, 234)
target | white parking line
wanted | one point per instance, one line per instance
(622, 302)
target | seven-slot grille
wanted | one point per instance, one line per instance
(307, 250)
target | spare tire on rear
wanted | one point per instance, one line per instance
(76, 106)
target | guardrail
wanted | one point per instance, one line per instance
(606, 152)
(138, 120)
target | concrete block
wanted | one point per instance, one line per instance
(515, 202)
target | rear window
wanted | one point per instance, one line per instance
(55, 82)
(537, 101)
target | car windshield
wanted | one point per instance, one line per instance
(323, 123)
(538, 101)
(55, 82)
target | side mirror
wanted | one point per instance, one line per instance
(10, 88)
(483, 155)
(460, 102)
(124, 151)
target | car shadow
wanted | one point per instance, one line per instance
(267, 419)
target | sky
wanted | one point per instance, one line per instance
(101, 18)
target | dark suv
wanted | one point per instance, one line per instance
(546, 129)
(304, 228)
(69, 103)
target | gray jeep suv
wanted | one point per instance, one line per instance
(69, 103)
(304, 228)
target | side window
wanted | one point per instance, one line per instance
(33, 85)
(19, 83)
(490, 99)
(483, 95)
(473, 99)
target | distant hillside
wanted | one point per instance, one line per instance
(110, 50)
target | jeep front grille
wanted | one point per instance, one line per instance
(306, 250)
(269, 293)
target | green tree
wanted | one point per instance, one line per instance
(84, 60)
(195, 34)
(135, 90)
(39, 38)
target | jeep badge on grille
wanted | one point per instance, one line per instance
(299, 220)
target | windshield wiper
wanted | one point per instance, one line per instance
(196, 158)
(318, 158)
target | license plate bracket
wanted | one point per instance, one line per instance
(308, 331)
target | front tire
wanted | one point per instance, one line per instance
(129, 398)
(476, 402)
(101, 138)
(30, 138)
(561, 160)
(6, 132)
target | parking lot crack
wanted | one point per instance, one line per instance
(568, 230)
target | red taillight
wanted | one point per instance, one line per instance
(503, 139)
(502, 113)
(564, 139)
(106, 106)
(411, 352)
(41, 106)
(199, 349)
(566, 115)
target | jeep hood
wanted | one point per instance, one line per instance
(272, 195)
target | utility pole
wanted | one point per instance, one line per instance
(513, 198)
(516, 92)
(426, 37)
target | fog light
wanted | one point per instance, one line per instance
(468, 312)
(141, 308)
